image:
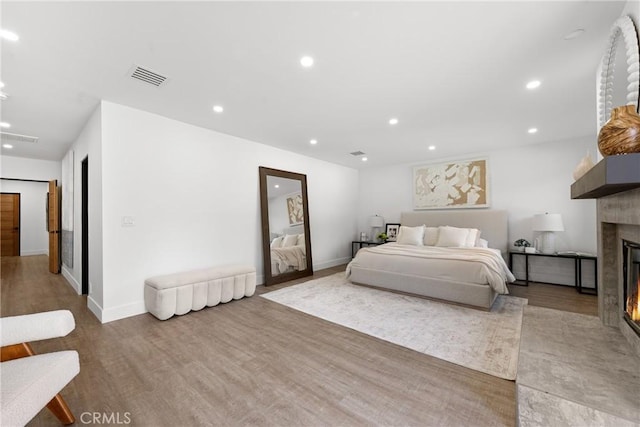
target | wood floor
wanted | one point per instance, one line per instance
(255, 362)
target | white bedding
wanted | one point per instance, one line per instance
(290, 258)
(472, 265)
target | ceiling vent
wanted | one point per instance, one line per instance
(147, 76)
(357, 153)
(7, 137)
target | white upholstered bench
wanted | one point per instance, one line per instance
(179, 293)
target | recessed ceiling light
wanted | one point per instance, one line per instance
(218, 109)
(393, 121)
(9, 35)
(364, 159)
(533, 84)
(9, 146)
(533, 130)
(306, 61)
(277, 186)
(4, 125)
(574, 34)
(313, 142)
(1, 85)
(432, 147)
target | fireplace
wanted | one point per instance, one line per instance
(615, 183)
(631, 283)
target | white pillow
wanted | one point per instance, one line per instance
(411, 235)
(277, 242)
(430, 236)
(300, 241)
(452, 237)
(290, 240)
(472, 238)
(482, 243)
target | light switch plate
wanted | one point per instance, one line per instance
(128, 221)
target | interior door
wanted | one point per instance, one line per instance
(10, 224)
(53, 226)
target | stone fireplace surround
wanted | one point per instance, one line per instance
(618, 217)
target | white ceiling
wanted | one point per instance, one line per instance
(453, 73)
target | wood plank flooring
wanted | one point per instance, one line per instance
(251, 362)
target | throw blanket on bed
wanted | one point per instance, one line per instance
(290, 256)
(497, 271)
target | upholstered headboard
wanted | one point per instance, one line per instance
(493, 223)
(294, 229)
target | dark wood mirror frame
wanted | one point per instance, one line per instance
(269, 278)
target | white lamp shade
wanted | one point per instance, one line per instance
(376, 221)
(548, 222)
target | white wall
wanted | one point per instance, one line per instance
(632, 8)
(194, 197)
(34, 239)
(525, 181)
(279, 213)
(88, 143)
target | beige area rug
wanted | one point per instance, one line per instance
(484, 341)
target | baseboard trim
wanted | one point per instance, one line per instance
(95, 308)
(123, 311)
(316, 267)
(331, 263)
(35, 252)
(71, 280)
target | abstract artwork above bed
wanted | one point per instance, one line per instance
(295, 209)
(453, 184)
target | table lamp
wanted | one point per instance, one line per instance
(375, 222)
(548, 223)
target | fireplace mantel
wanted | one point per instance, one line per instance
(613, 174)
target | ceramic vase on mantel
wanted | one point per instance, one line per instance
(621, 134)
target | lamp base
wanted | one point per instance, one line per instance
(548, 243)
(374, 233)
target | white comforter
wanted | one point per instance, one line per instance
(288, 258)
(472, 265)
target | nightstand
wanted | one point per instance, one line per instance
(356, 245)
(577, 258)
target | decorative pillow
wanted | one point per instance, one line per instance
(482, 243)
(472, 238)
(411, 235)
(452, 237)
(430, 236)
(300, 241)
(277, 242)
(290, 240)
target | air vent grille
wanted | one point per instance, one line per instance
(148, 76)
(357, 153)
(14, 137)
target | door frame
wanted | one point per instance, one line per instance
(85, 225)
(19, 218)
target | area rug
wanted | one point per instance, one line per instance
(486, 341)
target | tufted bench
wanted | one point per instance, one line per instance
(179, 293)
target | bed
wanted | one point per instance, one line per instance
(471, 275)
(288, 251)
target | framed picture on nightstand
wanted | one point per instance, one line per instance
(391, 231)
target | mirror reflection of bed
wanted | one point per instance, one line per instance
(285, 225)
(288, 252)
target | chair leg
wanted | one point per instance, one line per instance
(61, 410)
(15, 351)
(57, 405)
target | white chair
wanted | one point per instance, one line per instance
(29, 382)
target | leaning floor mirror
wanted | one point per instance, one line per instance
(286, 240)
